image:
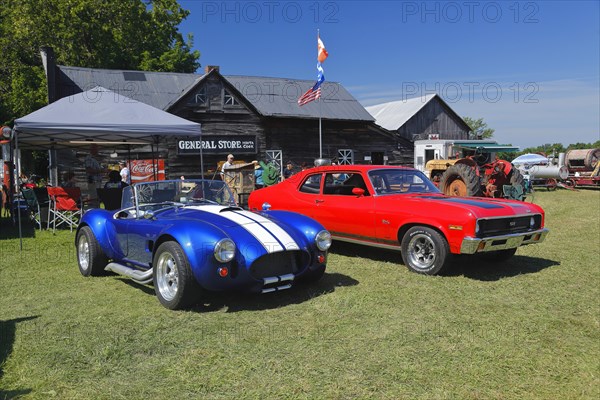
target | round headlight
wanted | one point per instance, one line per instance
(323, 240)
(224, 250)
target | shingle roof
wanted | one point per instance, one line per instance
(394, 114)
(156, 89)
(272, 97)
(278, 97)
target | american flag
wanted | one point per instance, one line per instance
(315, 92)
(310, 95)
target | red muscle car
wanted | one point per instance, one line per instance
(399, 208)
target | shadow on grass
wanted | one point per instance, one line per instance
(474, 267)
(10, 231)
(7, 339)
(373, 253)
(13, 394)
(234, 301)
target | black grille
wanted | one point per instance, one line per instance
(503, 226)
(279, 263)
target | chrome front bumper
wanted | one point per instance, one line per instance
(478, 245)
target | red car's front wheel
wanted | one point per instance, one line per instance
(425, 250)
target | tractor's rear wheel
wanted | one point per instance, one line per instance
(460, 180)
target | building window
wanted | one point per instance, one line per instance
(229, 100)
(201, 98)
(346, 156)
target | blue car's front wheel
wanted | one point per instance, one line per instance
(174, 283)
(90, 257)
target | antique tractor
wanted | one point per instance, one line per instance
(477, 175)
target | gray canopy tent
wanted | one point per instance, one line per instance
(98, 116)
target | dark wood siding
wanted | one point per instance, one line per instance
(433, 118)
(299, 139)
(215, 119)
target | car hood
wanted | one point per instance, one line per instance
(480, 207)
(240, 225)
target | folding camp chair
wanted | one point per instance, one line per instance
(111, 198)
(36, 203)
(66, 207)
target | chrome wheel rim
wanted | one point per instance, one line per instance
(83, 253)
(167, 276)
(421, 251)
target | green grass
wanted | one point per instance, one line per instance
(527, 329)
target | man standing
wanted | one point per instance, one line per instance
(226, 164)
(125, 177)
(289, 170)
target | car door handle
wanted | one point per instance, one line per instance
(319, 201)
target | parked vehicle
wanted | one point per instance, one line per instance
(399, 208)
(188, 236)
(469, 168)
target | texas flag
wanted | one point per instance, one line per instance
(321, 52)
(315, 92)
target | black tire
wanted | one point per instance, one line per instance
(499, 255)
(450, 183)
(312, 276)
(90, 257)
(425, 250)
(174, 282)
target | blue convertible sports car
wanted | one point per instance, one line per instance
(188, 236)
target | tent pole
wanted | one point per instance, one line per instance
(201, 158)
(18, 169)
(129, 163)
(153, 163)
(155, 157)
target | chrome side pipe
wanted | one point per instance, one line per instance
(142, 277)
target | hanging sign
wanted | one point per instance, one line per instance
(143, 170)
(218, 144)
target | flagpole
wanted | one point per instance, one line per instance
(320, 134)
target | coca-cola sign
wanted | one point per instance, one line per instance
(143, 170)
(218, 144)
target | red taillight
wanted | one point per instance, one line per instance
(223, 271)
(321, 258)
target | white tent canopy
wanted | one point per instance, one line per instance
(530, 159)
(98, 115)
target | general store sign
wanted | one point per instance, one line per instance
(215, 144)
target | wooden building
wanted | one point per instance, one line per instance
(253, 118)
(420, 118)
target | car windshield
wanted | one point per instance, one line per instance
(178, 192)
(395, 181)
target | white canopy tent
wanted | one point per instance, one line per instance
(98, 116)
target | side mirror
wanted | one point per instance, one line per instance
(358, 192)
(149, 214)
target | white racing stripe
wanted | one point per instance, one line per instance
(268, 233)
(273, 228)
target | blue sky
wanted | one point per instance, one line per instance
(530, 69)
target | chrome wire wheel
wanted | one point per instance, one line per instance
(167, 276)
(83, 253)
(421, 251)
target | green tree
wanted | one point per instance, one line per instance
(119, 34)
(479, 128)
